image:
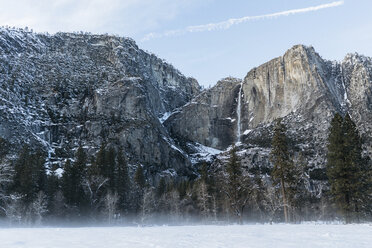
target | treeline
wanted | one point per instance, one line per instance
(87, 190)
(105, 189)
(348, 195)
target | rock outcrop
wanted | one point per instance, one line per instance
(210, 118)
(68, 89)
(300, 87)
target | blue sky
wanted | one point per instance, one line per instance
(207, 55)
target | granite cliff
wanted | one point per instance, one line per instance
(67, 89)
(63, 90)
(302, 88)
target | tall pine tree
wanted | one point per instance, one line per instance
(284, 170)
(122, 181)
(237, 186)
(110, 167)
(139, 177)
(72, 181)
(346, 169)
(30, 174)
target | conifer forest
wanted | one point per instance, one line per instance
(103, 188)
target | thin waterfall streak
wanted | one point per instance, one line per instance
(238, 111)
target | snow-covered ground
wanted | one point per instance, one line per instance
(247, 236)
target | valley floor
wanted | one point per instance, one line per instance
(247, 236)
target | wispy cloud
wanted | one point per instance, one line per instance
(123, 17)
(235, 21)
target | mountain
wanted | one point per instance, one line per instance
(65, 90)
(302, 88)
(71, 89)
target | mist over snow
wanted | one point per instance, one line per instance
(252, 236)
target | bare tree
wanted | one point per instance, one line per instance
(174, 205)
(94, 186)
(203, 199)
(6, 179)
(187, 205)
(39, 207)
(214, 208)
(111, 201)
(58, 204)
(14, 209)
(147, 205)
(272, 202)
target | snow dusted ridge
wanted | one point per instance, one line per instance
(252, 236)
(246, 132)
(202, 153)
(59, 91)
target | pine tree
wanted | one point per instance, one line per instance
(138, 191)
(284, 170)
(204, 172)
(203, 191)
(39, 170)
(298, 193)
(335, 161)
(106, 164)
(237, 186)
(4, 148)
(53, 184)
(110, 166)
(162, 187)
(22, 178)
(72, 181)
(337, 169)
(122, 181)
(139, 177)
(30, 174)
(69, 181)
(259, 194)
(346, 168)
(100, 162)
(182, 188)
(359, 170)
(95, 185)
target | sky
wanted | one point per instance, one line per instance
(208, 39)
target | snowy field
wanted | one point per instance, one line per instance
(247, 236)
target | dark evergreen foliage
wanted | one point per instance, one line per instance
(347, 170)
(284, 171)
(30, 175)
(122, 182)
(52, 187)
(139, 177)
(109, 168)
(238, 186)
(162, 187)
(73, 179)
(104, 187)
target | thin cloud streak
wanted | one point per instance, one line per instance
(235, 21)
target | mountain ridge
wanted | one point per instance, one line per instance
(63, 90)
(68, 89)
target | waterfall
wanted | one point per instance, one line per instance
(238, 112)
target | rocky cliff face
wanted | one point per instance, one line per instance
(65, 89)
(300, 87)
(298, 81)
(210, 118)
(357, 77)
